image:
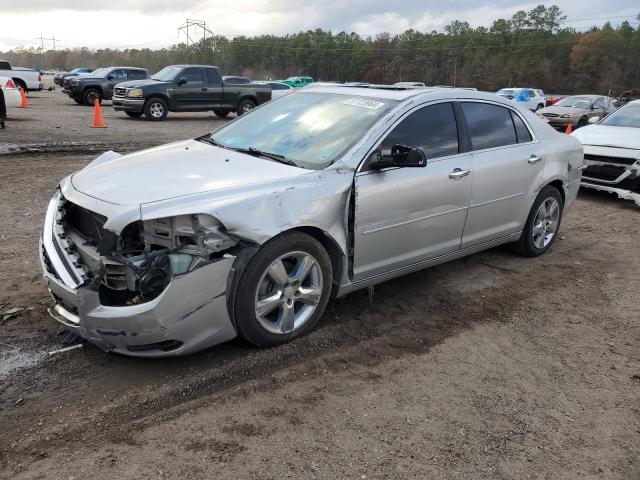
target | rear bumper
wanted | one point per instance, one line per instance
(189, 315)
(12, 98)
(128, 104)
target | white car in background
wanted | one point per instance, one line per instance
(529, 98)
(12, 97)
(612, 152)
(280, 89)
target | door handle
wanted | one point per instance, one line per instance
(459, 174)
(533, 159)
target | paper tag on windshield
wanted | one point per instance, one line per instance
(363, 102)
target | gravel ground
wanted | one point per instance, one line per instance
(493, 366)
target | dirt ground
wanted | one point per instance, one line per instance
(494, 366)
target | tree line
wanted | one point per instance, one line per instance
(532, 48)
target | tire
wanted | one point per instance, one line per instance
(582, 122)
(545, 220)
(257, 284)
(245, 106)
(90, 95)
(221, 113)
(20, 84)
(155, 109)
(133, 114)
(78, 101)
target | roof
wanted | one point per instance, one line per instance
(403, 93)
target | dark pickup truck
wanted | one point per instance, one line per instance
(187, 88)
(99, 84)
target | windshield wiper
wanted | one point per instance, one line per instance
(259, 153)
(209, 139)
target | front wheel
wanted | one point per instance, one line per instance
(283, 290)
(91, 96)
(542, 224)
(155, 109)
(582, 122)
(245, 106)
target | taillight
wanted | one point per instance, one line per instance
(39, 78)
(10, 84)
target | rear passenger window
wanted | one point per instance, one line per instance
(213, 77)
(432, 129)
(490, 126)
(522, 132)
(137, 74)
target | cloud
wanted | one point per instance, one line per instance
(154, 23)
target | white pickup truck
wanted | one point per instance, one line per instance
(26, 78)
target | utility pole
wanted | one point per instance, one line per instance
(199, 26)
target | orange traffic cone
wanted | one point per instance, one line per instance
(569, 128)
(24, 103)
(98, 120)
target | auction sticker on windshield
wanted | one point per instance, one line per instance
(362, 102)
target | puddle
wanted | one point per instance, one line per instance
(13, 359)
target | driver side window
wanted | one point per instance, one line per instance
(599, 103)
(193, 76)
(432, 129)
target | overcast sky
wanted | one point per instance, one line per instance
(154, 23)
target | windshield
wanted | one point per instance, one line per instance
(627, 116)
(99, 72)
(167, 73)
(575, 102)
(310, 129)
(78, 70)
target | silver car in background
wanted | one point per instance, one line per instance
(576, 110)
(252, 229)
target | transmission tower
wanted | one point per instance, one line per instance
(42, 49)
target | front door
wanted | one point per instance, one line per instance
(191, 94)
(508, 165)
(406, 215)
(115, 77)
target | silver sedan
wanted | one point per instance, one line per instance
(252, 229)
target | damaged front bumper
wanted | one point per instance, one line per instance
(189, 315)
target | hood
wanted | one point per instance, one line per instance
(609, 136)
(142, 83)
(563, 110)
(174, 170)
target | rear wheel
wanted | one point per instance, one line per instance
(582, 122)
(221, 113)
(133, 114)
(20, 84)
(542, 224)
(245, 106)
(91, 96)
(155, 109)
(283, 290)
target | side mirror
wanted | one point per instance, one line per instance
(110, 77)
(593, 120)
(182, 81)
(401, 156)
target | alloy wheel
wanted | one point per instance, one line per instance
(288, 292)
(545, 223)
(157, 110)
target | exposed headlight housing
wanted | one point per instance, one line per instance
(134, 92)
(197, 234)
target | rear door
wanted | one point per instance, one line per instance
(508, 165)
(407, 215)
(191, 95)
(214, 87)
